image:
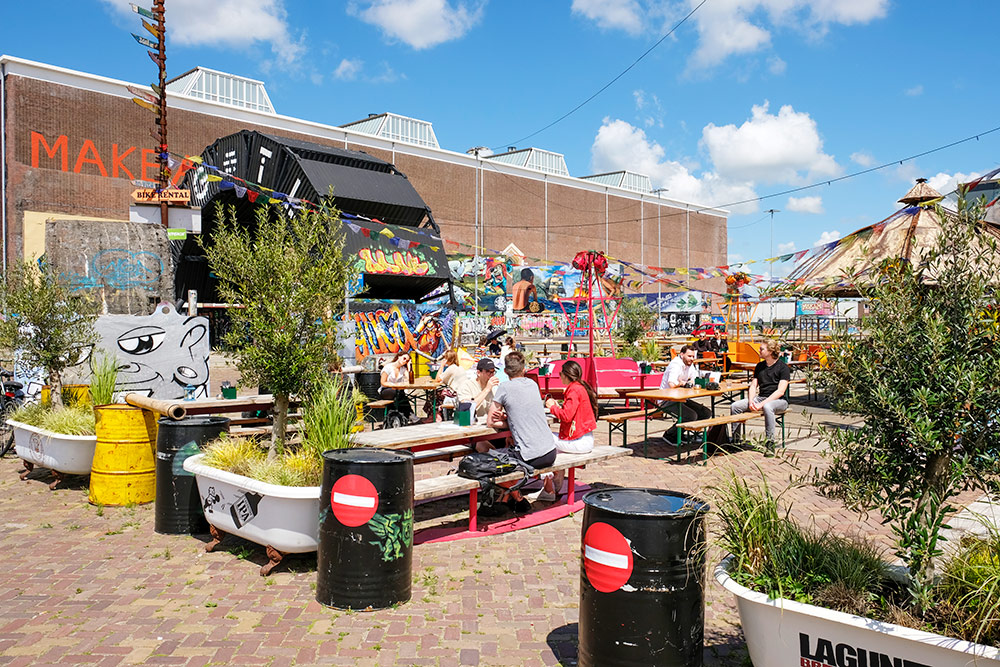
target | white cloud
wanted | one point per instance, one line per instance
(914, 91)
(625, 15)
(806, 205)
(776, 65)
(863, 159)
(769, 148)
(620, 145)
(230, 23)
(650, 106)
(785, 248)
(945, 183)
(419, 23)
(827, 237)
(348, 69)
(731, 27)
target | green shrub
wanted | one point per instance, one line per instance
(774, 555)
(78, 420)
(327, 419)
(103, 378)
(970, 589)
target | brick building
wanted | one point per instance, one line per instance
(73, 142)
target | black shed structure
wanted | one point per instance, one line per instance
(391, 232)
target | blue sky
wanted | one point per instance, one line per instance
(745, 99)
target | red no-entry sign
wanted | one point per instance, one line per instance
(353, 500)
(607, 557)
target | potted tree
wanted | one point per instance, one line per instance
(923, 377)
(49, 326)
(290, 281)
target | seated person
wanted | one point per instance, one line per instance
(703, 344)
(517, 405)
(767, 391)
(577, 420)
(681, 372)
(718, 344)
(396, 376)
(480, 391)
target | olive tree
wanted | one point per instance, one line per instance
(923, 375)
(44, 321)
(287, 276)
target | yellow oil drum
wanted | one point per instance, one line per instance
(76, 394)
(124, 468)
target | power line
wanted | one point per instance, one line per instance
(703, 209)
(608, 84)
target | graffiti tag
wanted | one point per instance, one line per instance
(405, 264)
(120, 269)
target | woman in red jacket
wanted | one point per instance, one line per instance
(576, 416)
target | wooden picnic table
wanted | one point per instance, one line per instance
(426, 436)
(680, 395)
(211, 406)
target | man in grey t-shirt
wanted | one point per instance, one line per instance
(517, 405)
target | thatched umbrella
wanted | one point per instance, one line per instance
(905, 235)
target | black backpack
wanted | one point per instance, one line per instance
(485, 467)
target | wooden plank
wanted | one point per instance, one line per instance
(418, 435)
(715, 421)
(441, 452)
(446, 485)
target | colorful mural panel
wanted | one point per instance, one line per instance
(384, 328)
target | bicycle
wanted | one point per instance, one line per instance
(11, 398)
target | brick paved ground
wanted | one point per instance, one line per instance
(83, 585)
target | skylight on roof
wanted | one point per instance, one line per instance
(230, 89)
(534, 158)
(397, 128)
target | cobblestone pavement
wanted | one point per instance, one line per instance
(89, 585)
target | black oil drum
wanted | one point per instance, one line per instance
(642, 578)
(369, 383)
(365, 556)
(178, 505)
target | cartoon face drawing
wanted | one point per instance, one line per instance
(159, 354)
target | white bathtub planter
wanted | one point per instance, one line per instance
(784, 632)
(62, 454)
(285, 519)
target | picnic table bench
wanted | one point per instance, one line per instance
(450, 484)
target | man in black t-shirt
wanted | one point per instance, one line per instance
(767, 390)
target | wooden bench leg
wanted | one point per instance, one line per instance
(473, 509)
(571, 487)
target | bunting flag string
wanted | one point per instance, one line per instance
(655, 274)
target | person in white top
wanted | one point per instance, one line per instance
(395, 376)
(681, 372)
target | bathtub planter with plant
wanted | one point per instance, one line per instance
(807, 597)
(273, 501)
(61, 440)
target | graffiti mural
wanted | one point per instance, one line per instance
(159, 354)
(503, 286)
(119, 269)
(680, 302)
(383, 328)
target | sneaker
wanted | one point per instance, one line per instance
(547, 496)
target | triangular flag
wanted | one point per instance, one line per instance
(367, 233)
(252, 196)
(387, 232)
(435, 248)
(226, 185)
(212, 178)
(354, 228)
(240, 190)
